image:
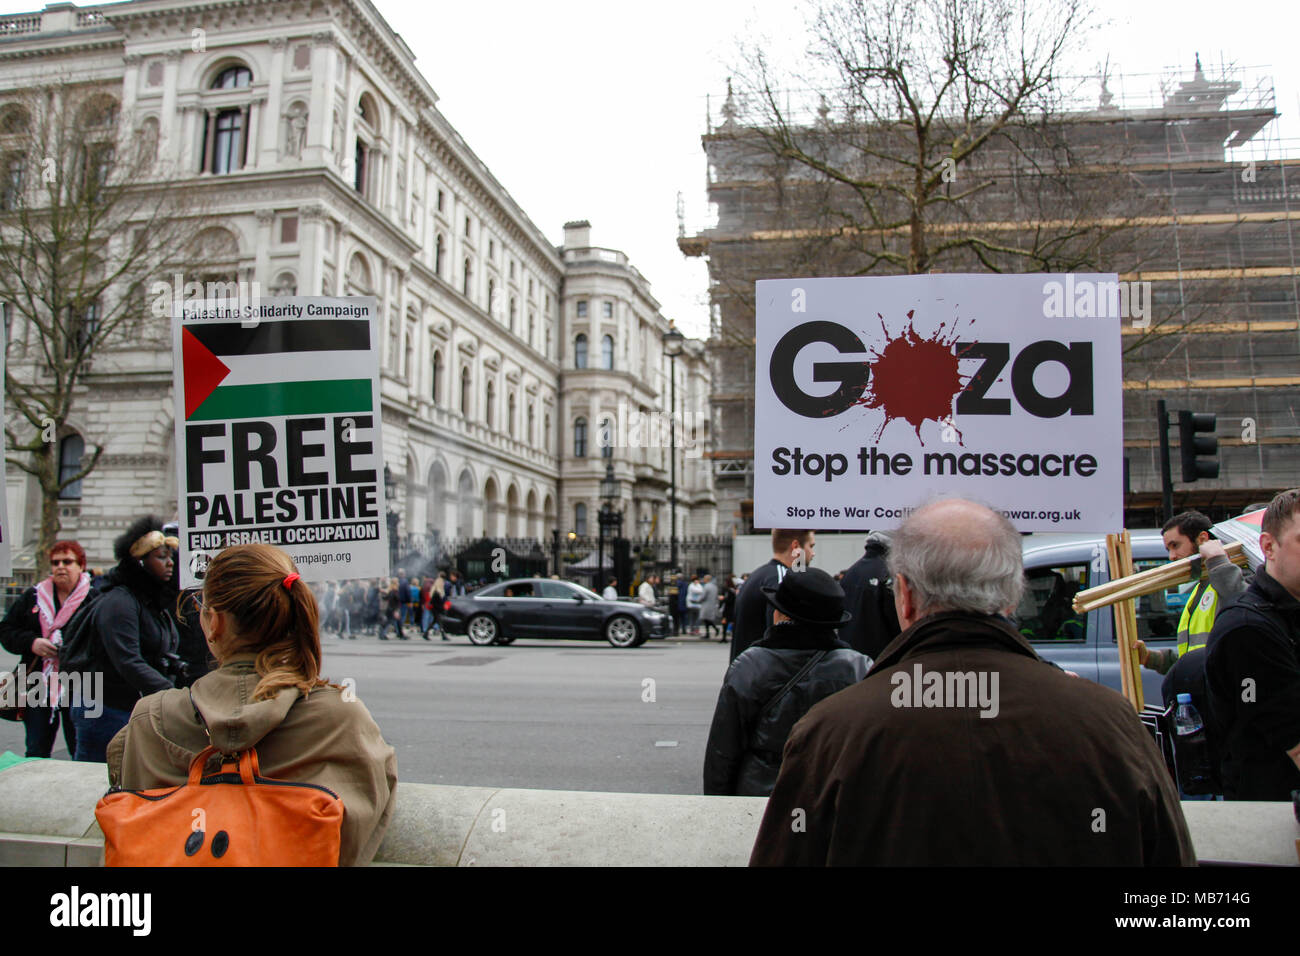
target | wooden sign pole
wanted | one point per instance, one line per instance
(1119, 552)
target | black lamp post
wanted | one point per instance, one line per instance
(674, 344)
(608, 519)
(390, 490)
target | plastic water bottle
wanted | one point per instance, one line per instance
(1191, 752)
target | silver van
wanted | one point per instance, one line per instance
(1058, 566)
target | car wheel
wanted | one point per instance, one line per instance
(482, 630)
(621, 631)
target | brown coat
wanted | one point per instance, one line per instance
(322, 739)
(1063, 774)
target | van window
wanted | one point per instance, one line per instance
(1157, 614)
(1046, 613)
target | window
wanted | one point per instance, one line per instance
(436, 376)
(408, 353)
(490, 395)
(71, 450)
(580, 518)
(464, 391)
(580, 352)
(512, 270)
(492, 297)
(440, 200)
(1046, 610)
(580, 438)
(582, 308)
(468, 275)
(532, 321)
(607, 352)
(606, 438)
(233, 78)
(514, 310)
(1158, 614)
(15, 175)
(510, 415)
(288, 230)
(362, 163)
(492, 249)
(546, 432)
(438, 249)
(607, 310)
(227, 142)
(8, 310)
(531, 436)
(81, 330)
(467, 226)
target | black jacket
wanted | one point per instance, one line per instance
(743, 755)
(1254, 653)
(21, 626)
(1187, 676)
(135, 642)
(869, 597)
(753, 613)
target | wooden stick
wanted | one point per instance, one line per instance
(1148, 582)
(1130, 613)
(1116, 571)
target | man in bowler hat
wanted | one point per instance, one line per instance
(798, 662)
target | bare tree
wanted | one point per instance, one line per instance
(932, 135)
(88, 218)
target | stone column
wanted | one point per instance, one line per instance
(182, 152)
(271, 132)
(262, 269)
(323, 63)
(311, 250)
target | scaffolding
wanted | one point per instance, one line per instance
(1215, 235)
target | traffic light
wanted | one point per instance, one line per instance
(1199, 452)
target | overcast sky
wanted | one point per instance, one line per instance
(593, 109)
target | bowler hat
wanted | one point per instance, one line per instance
(809, 597)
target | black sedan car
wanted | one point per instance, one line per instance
(537, 607)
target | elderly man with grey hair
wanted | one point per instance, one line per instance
(961, 746)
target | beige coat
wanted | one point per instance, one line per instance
(322, 739)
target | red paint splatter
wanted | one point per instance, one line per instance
(914, 379)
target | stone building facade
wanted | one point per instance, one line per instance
(328, 169)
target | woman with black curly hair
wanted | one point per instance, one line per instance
(133, 642)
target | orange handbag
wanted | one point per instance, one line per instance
(231, 818)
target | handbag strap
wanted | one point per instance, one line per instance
(811, 663)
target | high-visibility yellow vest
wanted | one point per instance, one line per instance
(1198, 618)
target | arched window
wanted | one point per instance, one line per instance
(464, 391)
(607, 352)
(580, 518)
(490, 394)
(71, 450)
(367, 131)
(580, 352)
(510, 415)
(233, 78)
(436, 376)
(580, 438)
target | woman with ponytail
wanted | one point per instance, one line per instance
(261, 624)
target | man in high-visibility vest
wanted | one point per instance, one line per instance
(1185, 535)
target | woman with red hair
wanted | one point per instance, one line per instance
(33, 629)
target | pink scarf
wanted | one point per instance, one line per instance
(52, 626)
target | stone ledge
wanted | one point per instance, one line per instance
(437, 825)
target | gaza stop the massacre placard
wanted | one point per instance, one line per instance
(874, 395)
(278, 433)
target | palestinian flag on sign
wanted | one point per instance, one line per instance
(293, 367)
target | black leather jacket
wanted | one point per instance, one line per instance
(743, 755)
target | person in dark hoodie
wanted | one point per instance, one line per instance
(134, 639)
(798, 662)
(869, 597)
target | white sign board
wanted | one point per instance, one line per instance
(6, 556)
(874, 395)
(278, 433)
